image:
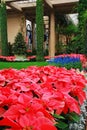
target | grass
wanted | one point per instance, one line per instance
(20, 65)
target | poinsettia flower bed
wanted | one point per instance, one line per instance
(82, 57)
(13, 58)
(7, 58)
(37, 98)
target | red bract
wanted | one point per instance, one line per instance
(10, 123)
(36, 122)
(71, 104)
(44, 124)
(2, 80)
(8, 97)
(47, 127)
(2, 110)
(81, 95)
(29, 97)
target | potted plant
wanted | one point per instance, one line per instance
(19, 47)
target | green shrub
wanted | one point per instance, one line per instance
(39, 30)
(82, 26)
(76, 65)
(3, 30)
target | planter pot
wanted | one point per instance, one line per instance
(20, 58)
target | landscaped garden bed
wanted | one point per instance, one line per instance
(40, 98)
(69, 61)
(66, 60)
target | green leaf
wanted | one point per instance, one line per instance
(74, 117)
(61, 125)
(58, 116)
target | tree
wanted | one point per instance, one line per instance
(82, 17)
(19, 46)
(39, 30)
(69, 30)
(3, 29)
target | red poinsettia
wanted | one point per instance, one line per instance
(9, 123)
(29, 97)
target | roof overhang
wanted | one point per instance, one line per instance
(28, 7)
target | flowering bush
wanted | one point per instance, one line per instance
(67, 62)
(82, 57)
(39, 98)
(30, 58)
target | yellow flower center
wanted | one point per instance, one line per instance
(28, 128)
(27, 109)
